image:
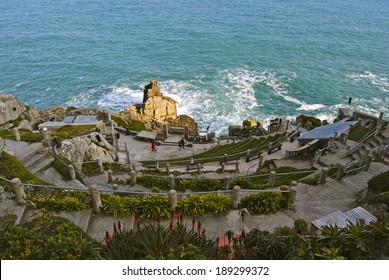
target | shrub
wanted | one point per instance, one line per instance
(379, 183)
(265, 202)
(199, 204)
(48, 238)
(71, 131)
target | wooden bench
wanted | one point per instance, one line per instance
(253, 156)
(294, 135)
(274, 148)
(229, 160)
(194, 165)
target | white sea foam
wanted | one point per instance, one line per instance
(310, 107)
(379, 80)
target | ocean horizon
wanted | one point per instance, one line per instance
(223, 61)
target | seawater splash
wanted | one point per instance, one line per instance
(369, 78)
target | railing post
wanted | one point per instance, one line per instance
(236, 196)
(127, 152)
(199, 168)
(72, 172)
(133, 177)
(46, 137)
(157, 166)
(345, 138)
(340, 173)
(260, 162)
(248, 152)
(316, 156)
(168, 168)
(96, 199)
(323, 176)
(223, 167)
(171, 181)
(173, 199)
(16, 134)
(293, 192)
(100, 165)
(237, 166)
(110, 176)
(19, 191)
(226, 182)
(272, 179)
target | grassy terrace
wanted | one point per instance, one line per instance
(238, 149)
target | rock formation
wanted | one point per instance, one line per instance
(10, 108)
(87, 148)
(157, 110)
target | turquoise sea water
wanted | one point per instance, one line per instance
(223, 60)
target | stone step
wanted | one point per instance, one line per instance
(32, 159)
(41, 165)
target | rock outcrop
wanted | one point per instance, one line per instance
(157, 110)
(87, 148)
(10, 108)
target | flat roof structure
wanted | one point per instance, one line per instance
(147, 135)
(342, 220)
(327, 131)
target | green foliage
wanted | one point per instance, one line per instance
(151, 182)
(379, 183)
(129, 124)
(315, 121)
(198, 185)
(154, 242)
(149, 206)
(11, 168)
(155, 190)
(72, 131)
(199, 204)
(25, 135)
(62, 168)
(265, 202)
(47, 238)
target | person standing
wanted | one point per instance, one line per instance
(182, 143)
(179, 144)
(153, 149)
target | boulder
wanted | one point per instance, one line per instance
(249, 123)
(87, 148)
(10, 108)
(56, 113)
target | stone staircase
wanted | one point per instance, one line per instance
(36, 162)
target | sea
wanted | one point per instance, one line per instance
(222, 60)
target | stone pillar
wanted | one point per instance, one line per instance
(171, 181)
(199, 168)
(348, 151)
(270, 145)
(223, 167)
(237, 170)
(115, 187)
(133, 177)
(100, 165)
(157, 166)
(340, 173)
(345, 138)
(260, 162)
(367, 163)
(46, 137)
(96, 199)
(16, 134)
(19, 191)
(293, 192)
(323, 176)
(173, 199)
(236, 195)
(110, 176)
(248, 152)
(72, 172)
(168, 168)
(191, 160)
(226, 182)
(272, 179)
